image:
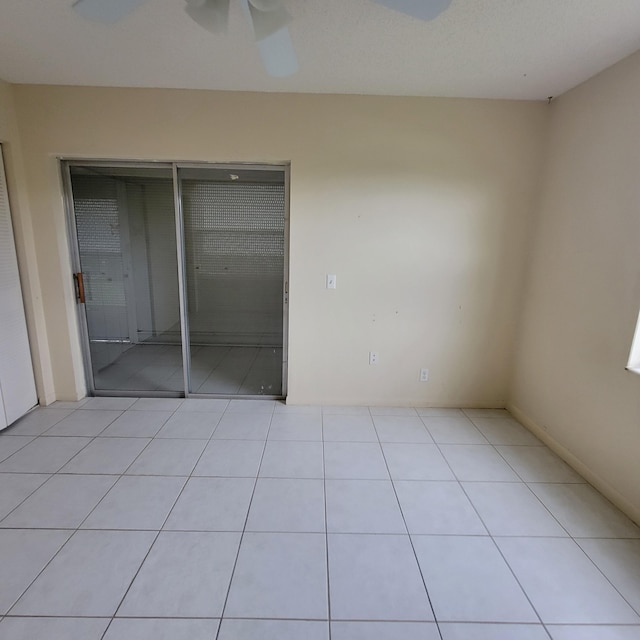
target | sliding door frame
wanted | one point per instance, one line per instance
(74, 249)
(182, 283)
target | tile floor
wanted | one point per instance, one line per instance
(163, 519)
(237, 370)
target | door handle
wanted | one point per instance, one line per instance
(79, 281)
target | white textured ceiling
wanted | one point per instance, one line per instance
(521, 49)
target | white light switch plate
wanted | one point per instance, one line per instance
(331, 281)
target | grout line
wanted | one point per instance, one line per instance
(499, 623)
(244, 528)
(265, 440)
(158, 533)
(326, 528)
(491, 537)
(593, 562)
(62, 546)
(415, 555)
(36, 435)
(340, 533)
(6, 515)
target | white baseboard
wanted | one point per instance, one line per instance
(592, 478)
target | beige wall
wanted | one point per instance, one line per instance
(583, 293)
(25, 245)
(422, 207)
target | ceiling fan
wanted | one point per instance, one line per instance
(268, 18)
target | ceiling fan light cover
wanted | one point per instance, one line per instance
(212, 15)
(278, 55)
(421, 9)
(266, 5)
(106, 11)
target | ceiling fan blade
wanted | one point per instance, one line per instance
(278, 55)
(106, 11)
(212, 15)
(265, 5)
(268, 22)
(421, 9)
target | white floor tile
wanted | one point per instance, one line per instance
(212, 504)
(16, 487)
(363, 506)
(157, 404)
(137, 424)
(272, 630)
(231, 458)
(168, 458)
(84, 423)
(510, 509)
(300, 409)
(159, 629)
(88, 577)
(453, 430)
(296, 426)
(619, 560)
(348, 429)
(263, 468)
(38, 421)
(205, 405)
(52, 628)
(23, 555)
(136, 502)
(292, 460)
(438, 411)
(505, 431)
(345, 411)
(199, 566)
(384, 631)
(401, 429)
(594, 632)
(473, 462)
(288, 505)
(243, 426)
(437, 508)
(61, 503)
(106, 455)
(416, 462)
(266, 407)
(393, 411)
(468, 580)
(563, 584)
(280, 575)
(354, 461)
(375, 577)
(538, 464)
(62, 404)
(190, 425)
(44, 455)
(584, 512)
(471, 631)
(116, 404)
(10, 444)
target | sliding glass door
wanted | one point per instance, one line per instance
(184, 270)
(234, 231)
